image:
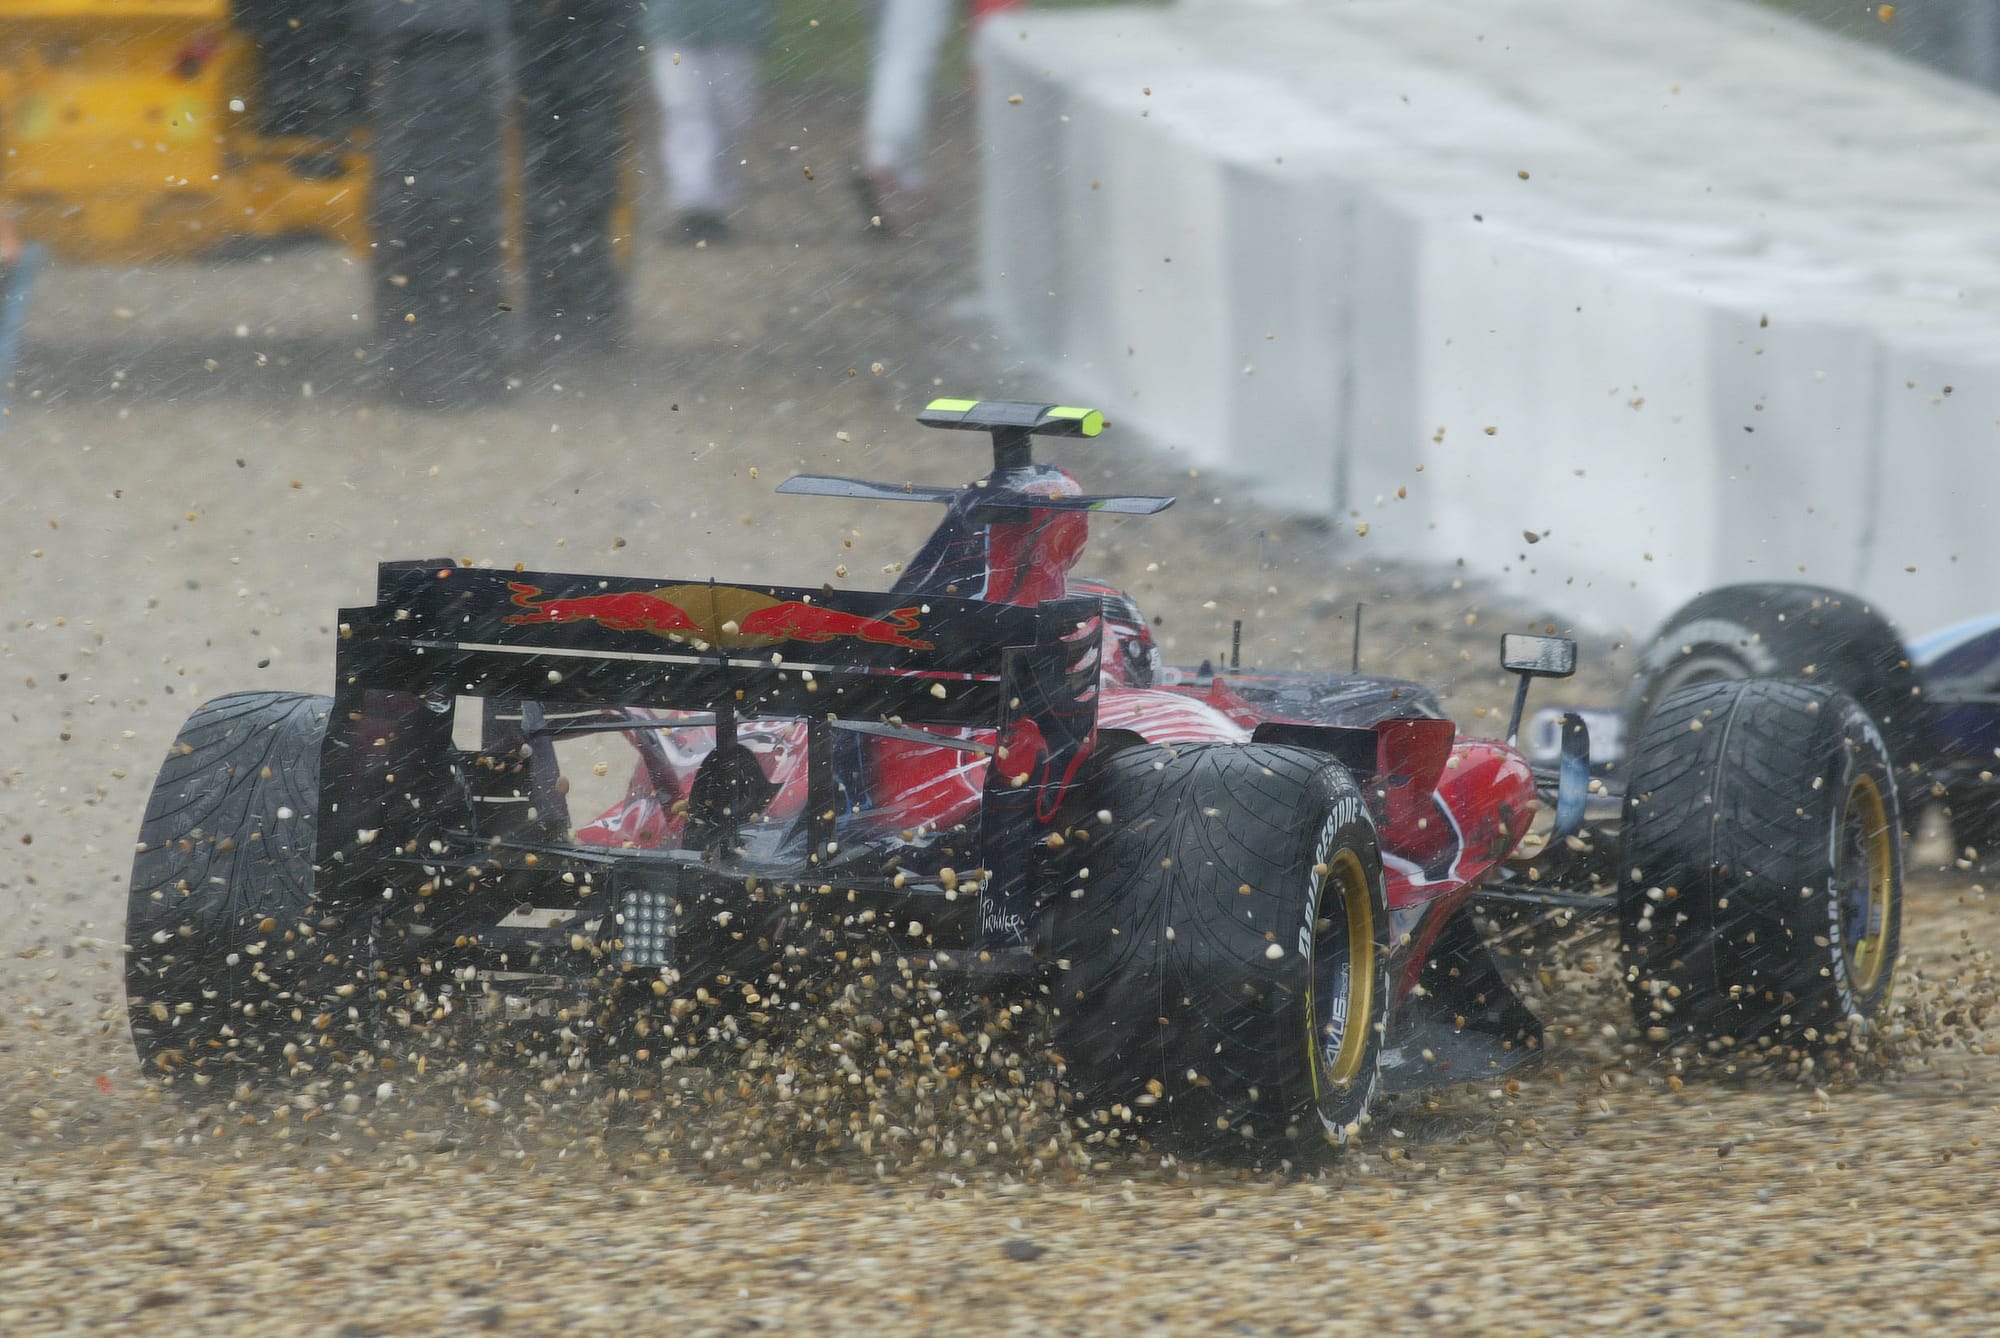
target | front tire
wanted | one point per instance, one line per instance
(1808, 632)
(1761, 892)
(1223, 969)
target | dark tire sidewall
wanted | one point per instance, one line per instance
(1868, 759)
(220, 975)
(1347, 827)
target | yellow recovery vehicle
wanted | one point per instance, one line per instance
(469, 149)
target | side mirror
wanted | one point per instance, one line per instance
(1538, 656)
(1533, 657)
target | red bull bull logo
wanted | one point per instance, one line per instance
(723, 616)
(790, 620)
(625, 611)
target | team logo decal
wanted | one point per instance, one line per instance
(726, 616)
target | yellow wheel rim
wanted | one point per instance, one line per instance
(1340, 1000)
(1867, 883)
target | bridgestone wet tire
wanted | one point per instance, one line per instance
(1222, 977)
(1779, 630)
(577, 80)
(436, 218)
(1761, 892)
(219, 957)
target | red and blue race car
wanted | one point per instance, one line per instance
(1245, 898)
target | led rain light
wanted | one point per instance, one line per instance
(646, 923)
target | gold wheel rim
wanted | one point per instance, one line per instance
(1865, 821)
(1339, 1040)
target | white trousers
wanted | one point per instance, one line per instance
(908, 34)
(707, 103)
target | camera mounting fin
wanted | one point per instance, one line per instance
(1013, 424)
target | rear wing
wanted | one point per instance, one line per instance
(438, 629)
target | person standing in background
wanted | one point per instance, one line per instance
(908, 34)
(704, 56)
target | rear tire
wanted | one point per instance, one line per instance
(1761, 860)
(222, 967)
(1223, 969)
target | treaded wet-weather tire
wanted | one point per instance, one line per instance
(1761, 892)
(219, 958)
(1222, 969)
(1782, 630)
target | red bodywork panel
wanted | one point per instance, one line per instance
(1446, 810)
(1486, 796)
(918, 786)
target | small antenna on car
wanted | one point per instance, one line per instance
(1355, 667)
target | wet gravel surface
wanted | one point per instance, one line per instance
(198, 477)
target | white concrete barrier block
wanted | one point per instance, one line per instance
(1928, 542)
(1023, 256)
(1385, 431)
(1146, 319)
(1288, 314)
(1795, 403)
(1572, 406)
(1329, 231)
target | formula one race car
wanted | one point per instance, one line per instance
(1244, 898)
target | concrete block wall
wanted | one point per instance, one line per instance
(1710, 329)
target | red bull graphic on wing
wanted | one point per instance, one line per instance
(724, 616)
(626, 611)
